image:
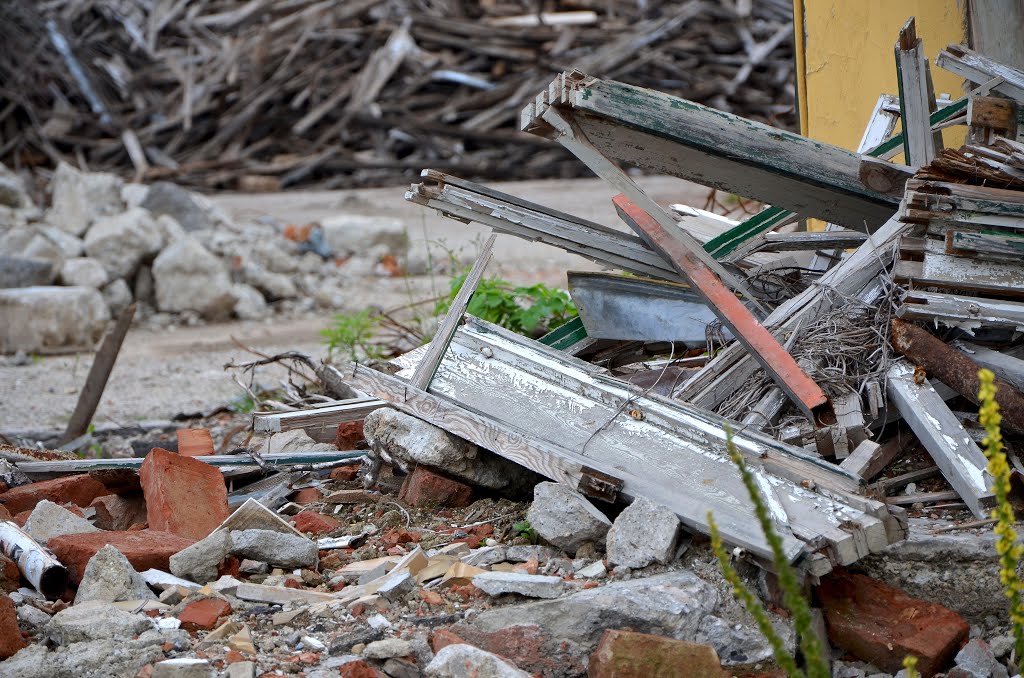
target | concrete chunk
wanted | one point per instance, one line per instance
(531, 585)
(50, 520)
(564, 518)
(276, 548)
(644, 533)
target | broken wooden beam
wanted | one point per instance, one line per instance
(978, 68)
(963, 312)
(962, 462)
(917, 98)
(955, 369)
(762, 346)
(666, 134)
(319, 423)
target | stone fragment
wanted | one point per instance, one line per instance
(202, 614)
(79, 490)
(625, 654)
(164, 197)
(109, 577)
(458, 661)
(69, 246)
(424, 487)
(201, 561)
(554, 637)
(249, 303)
(189, 278)
(295, 440)
(195, 442)
(12, 190)
(881, 625)
(50, 520)
(314, 523)
(596, 570)
(530, 585)
(91, 659)
(79, 198)
(273, 286)
(144, 549)
(37, 318)
(412, 441)
(276, 548)
(644, 533)
(183, 495)
(117, 295)
(977, 660)
(388, 648)
(30, 242)
(26, 272)
(32, 616)
(118, 512)
(10, 636)
(124, 241)
(95, 620)
(182, 667)
(564, 518)
(83, 272)
(736, 645)
(397, 586)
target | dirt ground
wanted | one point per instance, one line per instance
(161, 373)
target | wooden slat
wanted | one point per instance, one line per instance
(943, 270)
(969, 313)
(1007, 367)
(659, 132)
(917, 101)
(961, 460)
(977, 68)
(320, 423)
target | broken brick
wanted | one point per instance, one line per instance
(358, 669)
(144, 549)
(11, 639)
(10, 576)
(307, 495)
(183, 495)
(350, 434)
(4, 513)
(202, 615)
(195, 442)
(424, 487)
(345, 473)
(528, 646)
(78, 489)
(315, 523)
(627, 654)
(119, 512)
(443, 638)
(881, 625)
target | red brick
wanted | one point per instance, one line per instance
(316, 523)
(307, 495)
(78, 490)
(881, 625)
(529, 647)
(424, 487)
(626, 654)
(183, 495)
(4, 513)
(10, 576)
(195, 442)
(11, 639)
(202, 615)
(443, 638)
(144, 549)
(21, 518)
(345, 473)
(359, 669)
(119, 512)
(350, 434)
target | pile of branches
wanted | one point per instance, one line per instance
(267, 94)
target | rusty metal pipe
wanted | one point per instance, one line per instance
(954, 369)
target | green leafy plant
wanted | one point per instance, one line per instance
(524, 529)
(242, 404)
(910, 664)
(1009, 550)
(353, 335)
(532, 310)
(815, 661)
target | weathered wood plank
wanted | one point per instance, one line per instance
(978, 68)
(917, 101)
(1007, 367)
(320, 423)
(961, 460)
(943, 270)
(424, 371)
(967, 313)
(678, 137)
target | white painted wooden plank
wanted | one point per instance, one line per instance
(1006, 367)
(951, 448)
(966, 313)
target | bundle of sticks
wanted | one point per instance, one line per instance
(269, 94)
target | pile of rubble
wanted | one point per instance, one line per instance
(102, 244)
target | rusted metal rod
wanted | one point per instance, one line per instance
(954, 369)
(763, 347)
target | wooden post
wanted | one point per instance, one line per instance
(99, 373)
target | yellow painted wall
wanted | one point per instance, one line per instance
(847, 59)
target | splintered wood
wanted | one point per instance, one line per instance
(257, 94)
